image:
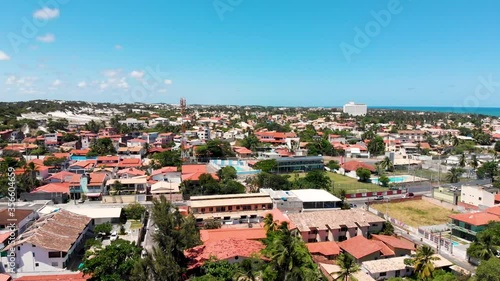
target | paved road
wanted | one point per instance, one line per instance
(148, 239)
(362, 201)
(416, 240)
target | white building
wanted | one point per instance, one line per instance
(354, 109)
(477, 195)
(49, 243)
(204, 133)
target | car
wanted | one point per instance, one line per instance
(379, 197)
(409, 195)
(113, 236)
(352, 205)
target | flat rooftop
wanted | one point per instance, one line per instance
(230, 200)
(315, 195)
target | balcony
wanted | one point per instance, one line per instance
(462, 229)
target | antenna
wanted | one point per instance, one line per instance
(184, 151)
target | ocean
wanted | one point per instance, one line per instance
(492, 111)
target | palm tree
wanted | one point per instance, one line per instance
(270, 223)
(486, 245)
(454, 175)
(387, 164)
(422, 262)
(348, 265)
(455, 141)
(474, 163)
(462, 161)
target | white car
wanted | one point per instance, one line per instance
(113, 236)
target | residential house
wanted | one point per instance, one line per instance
(136, 152)
(18, 220)
(50, 243)
(363, 249)
(169, 174)
(383, 269)
(479, 195)
(327, 249)
(171, 190)
(414, 135)
(79, 276)
(129, 163)
(82, 167)
(400, 247)
(96, 185)
(130, 173)
(231, 208)
(107, 161)
(233, 250)
(130, 185)
(468, 225)
(335, 225)
(317, 199)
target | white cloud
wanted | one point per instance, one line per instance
(46, 13)
(118, 47)
(56, 83)
(122, 84)
(47, 38)
(162, 90)
(82, 84)
(137, 74)
(111, 72)
(10, 80)
(103, 85)
(4, 56)
(167, 82)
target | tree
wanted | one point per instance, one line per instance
(175, 234)
(53, 161)
(422, 262)
(212, 224)
(387, 228)
(318, 179)
(454, 175)
(462, 160)
(222, 270)
(117, 186)
(363, 174)
(384, 180)
(376, 146)
(488, 170)
(333, 165)
(497, 146)
(288, 256)
(487, 242)
(387, 164)
(232, 187)
(216, 149)
(488, 270)
(167, 158)
(105, 228)
(103, 146)
(266, 165)
(227, 173)
(348, 265)
(113, 262)
(474, 163)
(134, 211)
(251, 142)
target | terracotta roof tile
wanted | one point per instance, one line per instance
(479, 218)
(394, 242)
(211, 235)
(328, 248)
(359, 247)
(56, 277)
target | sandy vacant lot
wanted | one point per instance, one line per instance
(416, 212)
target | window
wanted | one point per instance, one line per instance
(203, 210)
(343, 228)
(54, 254)
(55, 264)
(33, 245)
(33, 254)
(383, 273)
(230, 208)
(480, 199)
(36, 264)
(397, 273)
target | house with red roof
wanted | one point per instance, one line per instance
(193, 172)
(242, 152)
(363, 249)
(168, 173)
(232, 250)
(400, 247)
(353, 165)
(211, 235)
(82, 167)
(107, 161)
(130, 173)
(468, 225)
(129, 163)
(327, 249)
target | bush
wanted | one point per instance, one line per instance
(105, 228)
(134, 211)
(384, 180)
(363, 174)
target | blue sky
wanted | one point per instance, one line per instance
(296, 53)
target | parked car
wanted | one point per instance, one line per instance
(113, 236)
(408, 195)
(352, 205)
(379, 197)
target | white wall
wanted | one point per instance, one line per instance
(476, 196)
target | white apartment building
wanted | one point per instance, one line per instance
(355, 109)
(49, 243)
(478, 195)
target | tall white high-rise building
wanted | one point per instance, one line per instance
(355, 109)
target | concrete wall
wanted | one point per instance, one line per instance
(123, 198)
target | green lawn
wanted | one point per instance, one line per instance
(349, 184)
(135, 224)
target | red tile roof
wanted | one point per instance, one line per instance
(131, 171)
(108, 158)
(211, 235)
(393, 242)
(497, 197)
(81, 152)
(65, 176)
(56, 277)
(53, 187)
(477, 219)
(354, 165)
(130, 162)
(494, 210)
(222, 250)
(5, 277)
(164, 170)
(328, 248)
(386, 251)
(359, 247)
